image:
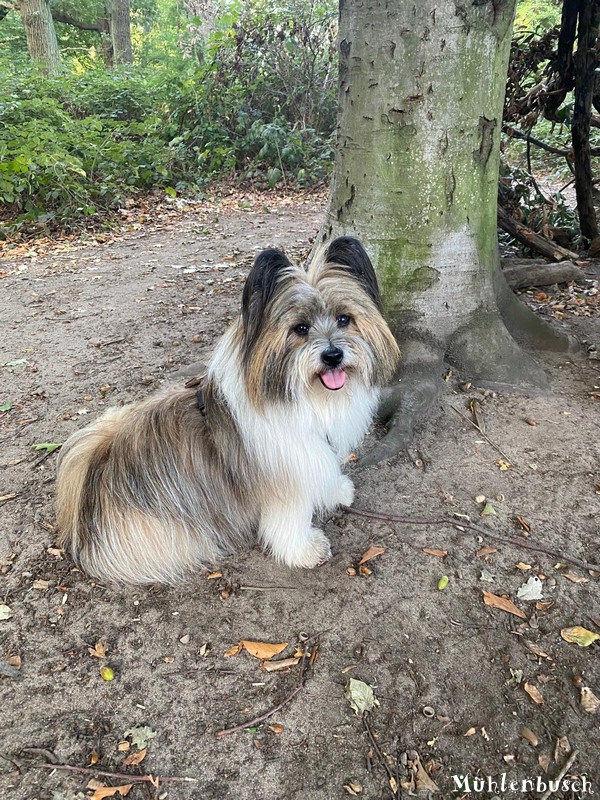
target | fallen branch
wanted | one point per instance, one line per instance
(560, 775)
(465, 527)
(523, 272)
(392, 779)
(155, 780)
(257, 720)
(524, 234)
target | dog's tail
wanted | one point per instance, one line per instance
(131, 505)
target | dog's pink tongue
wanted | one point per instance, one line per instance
(334, 378)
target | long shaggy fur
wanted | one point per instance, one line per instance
(152, 490)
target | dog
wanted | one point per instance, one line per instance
(154, 489)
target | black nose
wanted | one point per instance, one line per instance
(332, 357)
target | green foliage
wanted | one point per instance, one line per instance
(250, 95)
(535, 15)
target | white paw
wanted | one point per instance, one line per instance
(345, 495)
(315, 550)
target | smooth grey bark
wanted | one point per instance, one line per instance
(42, 43)
(120, 31)
(415, 178)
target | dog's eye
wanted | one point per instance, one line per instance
(343, 320)
(301, 329)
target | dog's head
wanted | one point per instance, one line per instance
(319, 330)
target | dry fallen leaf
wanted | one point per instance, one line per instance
(433, 551)
(503, 604)
(579, 635)
(529, 736)
(570, 576)
(423, 782)
(41, 585)
(98, 650)
(470, 732)
(262, 650)
(365, 571)
(589, 701)
(123, 746)
(486, 550)
(534, 693)
(277, 728)
(544, 761)
(100, 792)
(535, 648)
(360, 696)
(212, 575)
(372, 552)
(274, 666)
(523, 524)
(14, 661)
(135, 758)
(522, 566)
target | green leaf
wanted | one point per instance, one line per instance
(18, 362)
(49, 447)
(443, 582)
(170, 191)
(6, 407)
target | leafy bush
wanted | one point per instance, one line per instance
(256, 101)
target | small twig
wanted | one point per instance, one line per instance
(391, 779)
(45, 456)
(153, 779)
(465, 527)
(485, 436)
(257, 720)
(556, 781)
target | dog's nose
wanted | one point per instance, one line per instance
(332, 357)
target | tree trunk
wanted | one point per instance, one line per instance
(415, 178)
(120, 30)
(585, 62)
(42, 43)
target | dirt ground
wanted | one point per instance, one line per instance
(474, 690)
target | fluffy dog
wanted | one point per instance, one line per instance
(154, 489)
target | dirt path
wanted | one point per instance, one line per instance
(107, 324)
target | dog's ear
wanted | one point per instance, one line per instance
(259, 289)
(349, 253)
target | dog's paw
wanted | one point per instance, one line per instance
(316, 551)
(345, 495)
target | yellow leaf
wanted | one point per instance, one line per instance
(579, 635)
(372, 552)
(135, 758)
(502, 603)
(212, 575)
(504, 465)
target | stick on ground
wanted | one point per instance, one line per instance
(465, 527)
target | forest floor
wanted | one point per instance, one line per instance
(463, 688)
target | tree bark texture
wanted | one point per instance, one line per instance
(585, 62)
(120, 29)
(415, 178)
(42, 43)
